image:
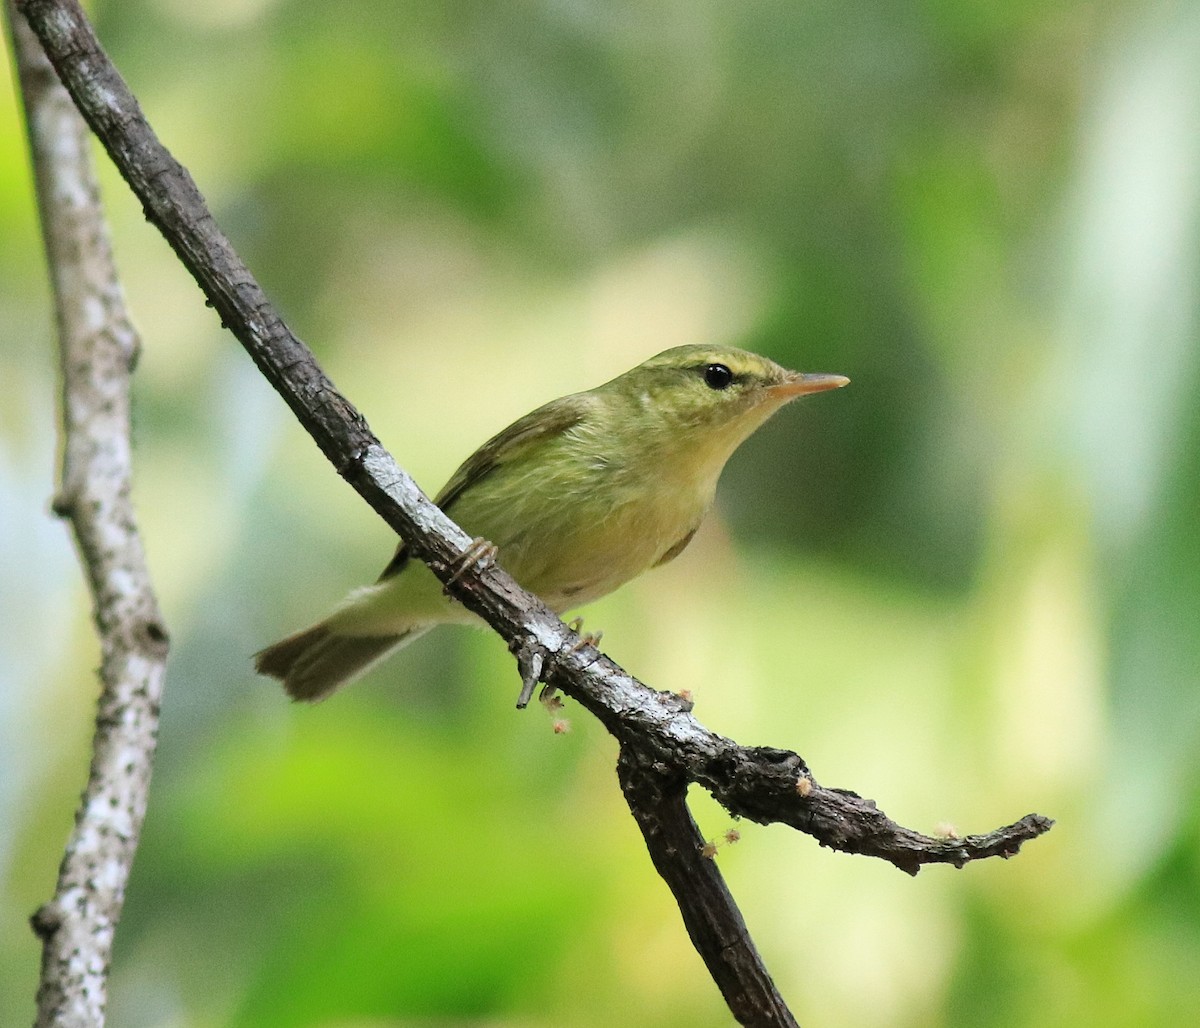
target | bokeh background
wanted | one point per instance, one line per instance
(968, 586)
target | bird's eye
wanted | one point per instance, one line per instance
(717, 376)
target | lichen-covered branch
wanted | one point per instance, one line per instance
(98, 347)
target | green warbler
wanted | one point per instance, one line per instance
(579, 497)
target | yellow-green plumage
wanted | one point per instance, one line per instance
(579, 496)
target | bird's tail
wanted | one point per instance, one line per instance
(315, 662)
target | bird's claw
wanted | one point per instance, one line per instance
(583, 642)
(588, 639)
(533, 663)
(480, 552)
(585, 639)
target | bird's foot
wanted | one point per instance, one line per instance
(479, 553)
(549, 694)
(534, 660)
(585, 639)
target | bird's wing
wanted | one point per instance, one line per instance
(549, 420)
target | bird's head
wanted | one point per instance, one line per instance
(712, 397)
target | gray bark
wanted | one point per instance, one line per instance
(98, 346)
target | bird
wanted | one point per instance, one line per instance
(577, 498)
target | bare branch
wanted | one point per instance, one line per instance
(657, 799)
(98, 347)
(656, 730)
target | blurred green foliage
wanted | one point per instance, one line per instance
(967, 586)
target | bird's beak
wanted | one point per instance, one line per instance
(797, 384)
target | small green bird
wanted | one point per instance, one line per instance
(579, 497)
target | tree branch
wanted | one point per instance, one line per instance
(98, 347)
(657, 798)
(655, 730)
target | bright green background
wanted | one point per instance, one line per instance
(968, 586)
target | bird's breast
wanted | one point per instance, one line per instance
(606, 533)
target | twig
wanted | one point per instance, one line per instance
(98, 347)
(658, 728)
